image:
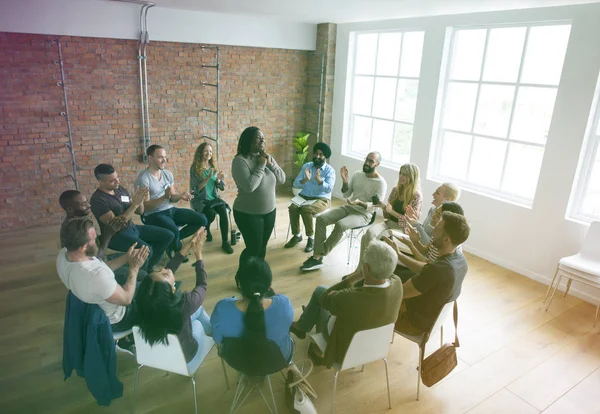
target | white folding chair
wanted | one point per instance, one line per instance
(366, 346)
(168, 357)
(422, 339)
(355, 234)
(583, 267)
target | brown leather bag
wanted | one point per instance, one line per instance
(439, 364)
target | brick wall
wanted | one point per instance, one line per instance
(262, 87)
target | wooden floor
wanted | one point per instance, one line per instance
(514, 358)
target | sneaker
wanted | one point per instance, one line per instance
(126, 345)
(227, 248)
(309, 245)
(293, 241)
(312, 264)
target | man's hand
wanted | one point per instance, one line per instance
(412, 233)
(411, 215)
(391, 243)
(344, 174)
(307, 175)
(168, 192)
(390, 210)
(406, 240)
(351, 202)
(220, 175)
(137, 257)
(114, 225)
(185, 196)
(140, 196)
(318, 178)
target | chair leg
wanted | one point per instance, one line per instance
(225, 374)
(387, 380)
(350, 245)
(272, 395)
(568, 287)
(238, 392)
(195, 397)
(441, 335)
(335, 377)
(554, 292)
(550, 286)
(135, 387)
(421, 357)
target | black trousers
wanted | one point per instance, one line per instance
(256, 230)
(211, 213)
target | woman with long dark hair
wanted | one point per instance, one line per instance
(161, 310)
(258, 315)
(205, 182)
(256, 174)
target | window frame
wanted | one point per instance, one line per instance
(347, 140)
(445, 81)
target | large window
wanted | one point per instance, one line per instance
(586, 199)
(499, 91)
(384, 79)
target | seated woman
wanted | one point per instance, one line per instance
(161, 310)
(256, 316)
(205, 183)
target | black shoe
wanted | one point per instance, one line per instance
(227, 248)
(309, 245)
(126, 345)
(312, 264)
(300, 334)
(312, 354)
(170, 255)
(293, 241)
(208, 236)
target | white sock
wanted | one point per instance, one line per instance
(298, 235)
(311, 237)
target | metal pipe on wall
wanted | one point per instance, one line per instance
(146, 41)
(320, 94)
(65, 113)
(217, 66)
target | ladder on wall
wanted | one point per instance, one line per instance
(215, 111)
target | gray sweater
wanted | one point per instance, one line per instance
(256, 185)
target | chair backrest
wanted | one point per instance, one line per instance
(591, 244)
(368, 346)
(255, 361)
(445, 313)
(168, 357)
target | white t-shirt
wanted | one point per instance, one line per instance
(91, 281)
(156, 188)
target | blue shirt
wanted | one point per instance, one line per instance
(311, 188)
(228, 322)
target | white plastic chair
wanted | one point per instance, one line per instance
(168, 358)
(583, 267)
(366, 346)
(422, 339)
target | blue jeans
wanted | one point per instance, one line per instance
(155, 238)
(174, 217)
(200, 329)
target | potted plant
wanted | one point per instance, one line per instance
(301, 147)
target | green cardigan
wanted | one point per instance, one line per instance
(357, 309)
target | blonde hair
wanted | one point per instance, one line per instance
(410, 190)
(451, 191)
(198, 158)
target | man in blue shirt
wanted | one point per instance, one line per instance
(316, 179)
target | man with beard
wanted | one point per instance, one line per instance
(361, 191)
(316, 179)
(439, 282)
(93, 281)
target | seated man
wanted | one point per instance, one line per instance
(439, 282)
(445, 192)
(355, 307)
(112, 200)
(365, 187)
(93, 281)
(159, 210)
(316, 179)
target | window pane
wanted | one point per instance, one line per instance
(383, 133)
(522, 170)
(454, 156)
(544, 54)
(362, 95)
(366, 49)
(467, 54)
(412, 49)
(487, 161)
(406, 101)
(503, 56)
(361, 134)
(460, 106)
(533, 113)
(493, 110)
(591, 199)
(383, 100)
(388, 54)
(402, 140)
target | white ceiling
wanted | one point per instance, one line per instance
(342, 11)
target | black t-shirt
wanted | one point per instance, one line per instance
(439, 283)
(101, 203)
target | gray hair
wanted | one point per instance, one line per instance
(381, 258)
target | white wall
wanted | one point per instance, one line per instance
(529, 241)
(109, 19)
